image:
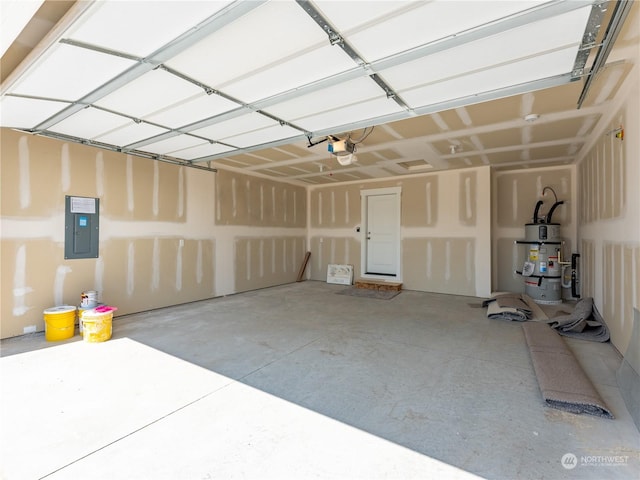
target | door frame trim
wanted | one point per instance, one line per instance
(364, 197)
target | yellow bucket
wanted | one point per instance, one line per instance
(59, 322)
(96, 326)
(81, 310)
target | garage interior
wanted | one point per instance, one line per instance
(223, 141)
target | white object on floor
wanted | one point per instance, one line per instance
(340, 274)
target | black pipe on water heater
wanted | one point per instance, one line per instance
(535, 212)
(574, 275)
(553, 208)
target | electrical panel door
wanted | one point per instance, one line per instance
(81, 227)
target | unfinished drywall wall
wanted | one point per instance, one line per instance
(609, 176)
(515, 195)
(154, 265)
(445, 230)
(609, 229)
(620, 268)
(332, 249)
(335, 207)
(253, 201)
(265, 229)
(263, 262)
(468, 208)
(441, 264)
(168, 234)
(147, 256)
(424, 208)
(587, 264)
(609, 216)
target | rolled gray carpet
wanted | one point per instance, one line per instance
(516, 307)
(563, 383)
(584, 322)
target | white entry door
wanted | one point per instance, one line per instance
(382, 232)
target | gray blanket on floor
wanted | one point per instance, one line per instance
(584, 322)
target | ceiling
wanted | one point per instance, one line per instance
(259, 86)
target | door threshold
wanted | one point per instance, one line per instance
(380, 277)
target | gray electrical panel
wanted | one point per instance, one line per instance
(81, 227)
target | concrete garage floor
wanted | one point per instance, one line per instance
(298, 382)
